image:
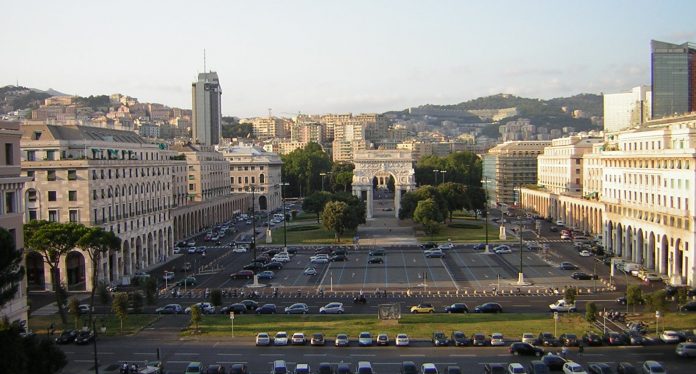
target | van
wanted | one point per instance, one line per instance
(279, 367)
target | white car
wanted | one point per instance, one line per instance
(85, 308)
(332, 308)
(298, 338)
(529, 338)
(177, 250)
(263, 338)
(563, 306)
(319, 260)
(192, 250)
(283, 259)
(402, 340)
(571, 367)
(497, 339)
(447, 245)
(585, 253)
(168, 275)
(428, 368)
(239, 249)
(502, 249)
(686, 349)
(516, 368)
(281, 338)
(310, 271)
(206, 308)
(652, 277)
(670, 337)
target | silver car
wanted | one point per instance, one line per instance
(332, 308)
(686, 349)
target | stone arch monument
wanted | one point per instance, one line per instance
(371, 163)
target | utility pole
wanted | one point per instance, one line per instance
(285, 218)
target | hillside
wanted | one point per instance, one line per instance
(16, 97)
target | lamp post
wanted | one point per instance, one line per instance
(96, 361)
(435, 171)
(253, 219)
(485, 206)
(285, 218)
(443, 175)
(322, 178)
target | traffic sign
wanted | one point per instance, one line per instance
(231, 315)
(555, 316)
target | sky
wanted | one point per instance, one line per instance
(328, 56)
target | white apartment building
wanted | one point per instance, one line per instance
(560, 166)
(627, 109)
(509, 166)
(11, 184)
(253, 168)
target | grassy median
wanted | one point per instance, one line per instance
(131, 325)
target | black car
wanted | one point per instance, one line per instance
(66, 337)
(600, 368)
(553, 228)
(493, 368)
(325, 368)
(489, 308)
(266, 309)
(457, 308)
(592, 339)
(237, 308)
(581, 276)
(376, 252)
(215, 369)
(291, 250)
(548, 340)
(554, 362)
(568, 266)
(375, 260)
(273, 265)
(671, 290)
(339, 251)
(408, 367)
(614, 338)
(569, 340)
(440, 339)
(626, 368)
(479, 340)
(84, 337)
(537, 367)
(453, 370)
(459, 339)
(250, 304)
(688, 307)
(525, 349)
(428, 245)
(335, 258)
(255, 266)
(238, 368)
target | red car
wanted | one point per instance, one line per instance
(242, 274)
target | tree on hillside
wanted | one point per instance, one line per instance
(11, 269)
(455, 196)
(334, 216)
(315, 202)
(97, 243)
(53, 240)
(428, 214)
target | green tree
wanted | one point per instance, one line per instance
(149, 287)
(53, 240)
(302, 169)
(135, 300)
(410, 200)
(11, 269)
(97, 243)
(231, 128)
(104, 295)
(570, 294)
(119, 306)
(74, 310)
(196, 317)
(428, 214)
(590, 312)
(357, 211)
(455, 196)
(315, 202)
(634, 296)
(334, 216)
(216, 297)
(656, 301)
(30, 354)
(682, 295)
(342, 176)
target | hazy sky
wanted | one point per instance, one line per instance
(336, 56)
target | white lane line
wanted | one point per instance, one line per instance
(84, 361)
(106, 353)
(186, 354)
(144, 353)
(462, 355)
(271, 354)
(360, 355)
(315, 355)
(413, 355)
(523, 305)
(229, 354)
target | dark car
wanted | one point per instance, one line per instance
(188, 281)
(273, 265)
(242, 274)
(66, 337)
(479, 247)
(537, 367)
(581, 276)
(256, 265)
(344, 368)
(238, 368)
(494, 368)
(489, 308)
(547, 339)
(250, 304)
(325, 368)
(479, 340)
(600, 368)
(614, 338)
(408, 367)
(440, 339)
(428, 245)
(592, 339)
(375, 260)
(554, 362)
(568, 266)
(335, 258)
(453, 370)
(525, 349)
(688, 307)
(569, 340)
(457, 308)
(237, 308)
(84, 337)
(626, 368)
(215, 369)
(671, 290)
(553, 228)
(266, 309)
(376, 252)
(459, 339)
(323, 251)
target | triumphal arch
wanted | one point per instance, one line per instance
(377, 166)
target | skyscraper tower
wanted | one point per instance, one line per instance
(207, 111)
(673, 78)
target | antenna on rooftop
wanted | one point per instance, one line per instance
(204, 67)
(270, 115)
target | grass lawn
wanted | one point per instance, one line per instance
(668, 321)
(304, 216)
(416, 326)
(316, 235)
(476, 233)
(132, 324)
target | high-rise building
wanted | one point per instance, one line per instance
(673, 78)
(627, 109)
(207, 109)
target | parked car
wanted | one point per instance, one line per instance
(319, 260)
(525, 349)
(187, 282)
(194, 368)
(502, 249)
(494, 368)
(402, 340)
(653, 367)
(298, 338)
(528, 337)
(453, 369)
(341, 340)
(375, 260)
(688, 307)
(273, 265)
(170, 309)
(434, 253)
(592, 339)
(554, 362)
(243, 274)
(686, 350)
(497, 339)
(267, 274)
(563, 306)
(568, 266)
(458, 338)
(365, 339)
(600, 368)
(336, 258)
(408, 367)
(571, 367)
(479, 340)
(376, 252)
(440, 339)
(297, 308)
(423, 308)
(428, 368)
(382, 339)
(263, 339)
(332, 308)
(614, 338)
(266, 309)
(310, 271)
(168, 275)
(281, 338)
(670, 337)
(205, 307)
(66, 337)
(428, 245)
(579, 275)
(489, 308)
(317, 339)
(537, 367)
(84, 337)
(547, 339)
(569, 340)
(457, 308)
(516, 368)
(626, 368)
(236, 308)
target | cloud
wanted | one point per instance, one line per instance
(683, 36)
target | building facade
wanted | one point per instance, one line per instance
(673, 78)
(627, 109)
(560, 166)
(508, 166)
(252, 168)
(11, 185)
(207, 109)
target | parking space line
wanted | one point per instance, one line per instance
(450, 274)
(408, 282)
(466, 268)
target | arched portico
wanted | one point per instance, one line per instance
(370, 164)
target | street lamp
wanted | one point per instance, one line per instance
(443, 175)
(485, 206)
(253, 218)
(285, 218)
(435, 171)
(322, 178)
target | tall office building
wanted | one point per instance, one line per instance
(673, 78)
(627, 109)
(207, 109)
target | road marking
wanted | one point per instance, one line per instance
(178, 362)
(462, 355)
(271, 354)
(229, 354)
(186, 354)
(144, 353)
(106, 353)
(414, 355)
(361, 355)
(87, 361)
(315, 355)
(231, 362)
(522, 305)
